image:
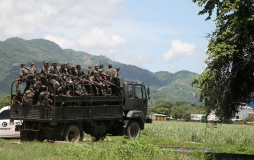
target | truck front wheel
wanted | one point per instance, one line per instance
(133, 130)
(72, 133)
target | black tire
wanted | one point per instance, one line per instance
(72, 133)
(133, 130)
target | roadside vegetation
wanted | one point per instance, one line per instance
(178, 110)
(221, 138)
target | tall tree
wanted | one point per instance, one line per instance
(228, 78)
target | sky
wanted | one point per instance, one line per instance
(158, 35)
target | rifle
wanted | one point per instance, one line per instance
(106, 81)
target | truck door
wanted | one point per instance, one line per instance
(138, 97)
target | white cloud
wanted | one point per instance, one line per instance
(180, 50)
(97, 42)
(63, 43)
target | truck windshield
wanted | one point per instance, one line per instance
(144, 91)
(138, 91)
(130, 91)
(5, 114)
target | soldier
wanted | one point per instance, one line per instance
(61, 69)
(25, 75)
(44, 71)
(18, 99)
(97, 84)
(34, 69)
(110, 72)
(79, 71)
(28, 96)
(101, 70)
(44, 97)
(52, 73)
(90, 70)
(38, 90)
(68, 69)
(116, 80)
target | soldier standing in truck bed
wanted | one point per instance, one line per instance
(110, 72)
(34, 69)
(96, 84)
(116, 81)
(79, 71)
(61, 69)
(44, 72)
(44, 97)
(89, 71)
(52, 73)
(28, 96)
(17, 99)
(101, 70)
(25, 75)
(37, 91)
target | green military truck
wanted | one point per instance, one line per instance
(95, 115)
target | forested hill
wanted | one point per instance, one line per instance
(175, 87)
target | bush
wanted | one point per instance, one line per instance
(247, 119)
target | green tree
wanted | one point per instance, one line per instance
(161, 101)
(180, 103)
(5, 101)
(176, 112)
(151, 110)
(228, 78)
(165, 111)
(166, 105)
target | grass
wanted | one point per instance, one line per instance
(220, 138)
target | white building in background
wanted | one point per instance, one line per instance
(244, 111)
(196, 117)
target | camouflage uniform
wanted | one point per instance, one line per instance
(79, 72)
(17, 99)
(43, 72)
(28, 96)
(90, 71)
(53, 78)
(116, 80)
(34, 69)
(25, 75)
(44, 97)
(95, 80)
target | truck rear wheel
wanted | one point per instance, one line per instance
(72, 133)
(133, 130)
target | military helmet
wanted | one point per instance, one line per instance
(89, 66)
(22, 64)
(96, 66)
(32, 63)
(54, 62)
(117, 67)
(110, 65)
(18, 91)
(45, 62)
(37, 82)
(68, 65)
(101, 65)
(63, 64)
(78, 65)
(44, 88)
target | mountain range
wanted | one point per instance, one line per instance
(13, 51)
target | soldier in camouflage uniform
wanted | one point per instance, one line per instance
(61, 69)
(17, 99)
(96, 84)
(28, 96)
(44, 72)
(101, 70)
(79, 71)
(25, 75)
(110, 72)
(116, 80)
(34, 69)
(38, 90)
(44, 97)
(68, 69)
(90, 70)
(52, 73)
